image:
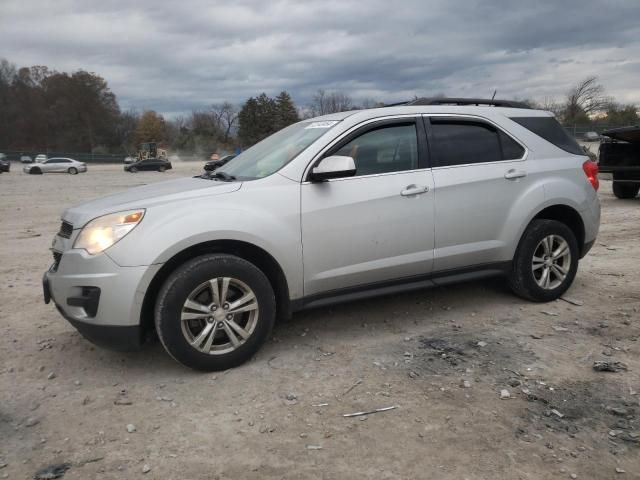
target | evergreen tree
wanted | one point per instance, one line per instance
(287, 113)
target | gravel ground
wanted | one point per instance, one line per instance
(443, 357)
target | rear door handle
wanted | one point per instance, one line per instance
(513, 174)
(414, 190)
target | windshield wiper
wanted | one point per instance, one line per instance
(219, 175)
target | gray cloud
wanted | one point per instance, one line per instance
(178, 56)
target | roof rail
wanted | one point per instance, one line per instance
(468, 101)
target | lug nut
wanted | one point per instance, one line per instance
(226, 306)
(229, 316)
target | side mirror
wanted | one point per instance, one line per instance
(335, 166)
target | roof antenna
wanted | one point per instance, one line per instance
(494, 94)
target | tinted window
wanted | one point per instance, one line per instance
(549, 129)
(461, 143)
(511, 150)
(386, 149)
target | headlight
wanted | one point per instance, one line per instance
(102, 232)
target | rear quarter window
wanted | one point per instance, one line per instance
(549, 129)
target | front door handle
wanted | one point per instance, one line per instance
(414, 190)
(513, 174)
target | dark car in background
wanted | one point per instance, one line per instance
(150, 164)
(5, 165)
(620, 155)
(213, 164)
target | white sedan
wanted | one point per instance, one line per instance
(56, 165)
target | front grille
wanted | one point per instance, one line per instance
(66, 229)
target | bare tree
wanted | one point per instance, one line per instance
(332, 102)
(585, 98)
(226, 116)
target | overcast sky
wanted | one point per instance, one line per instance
(182, 55)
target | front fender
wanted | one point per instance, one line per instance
(271, 223)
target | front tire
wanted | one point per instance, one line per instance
(546, 261)
(133, 170)
(625, 190)
(35, 171)
(73, 171)
(214, 312)
(161, 169)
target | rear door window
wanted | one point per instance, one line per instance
(549, 129)
(456, 141)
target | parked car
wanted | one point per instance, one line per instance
(40, 158)
(153, 164)
(620, 156)
(56, 165)
(591, 137)
(130, 160)
(5, 164)
(26, 159)
(213, 164)
(335, 208)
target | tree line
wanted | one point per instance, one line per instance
(46, 110)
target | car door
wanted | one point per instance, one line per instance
(479, 171)
(376, 226)
(50, 166)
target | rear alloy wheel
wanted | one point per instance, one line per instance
(546, 261)
(214, 312)
(73, 171)
(625, 190)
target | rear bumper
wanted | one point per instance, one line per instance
(591, 220)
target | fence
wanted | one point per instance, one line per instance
(81, 157)
(578, 131)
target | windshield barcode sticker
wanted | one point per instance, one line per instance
(325, 124)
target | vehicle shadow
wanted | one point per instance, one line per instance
(327, 324)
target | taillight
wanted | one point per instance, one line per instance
(591, 171)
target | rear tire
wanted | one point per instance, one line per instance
(625, 190)
(35, 171)
(207, 293)
(546, 261)
(73, 171)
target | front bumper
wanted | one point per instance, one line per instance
(101, 299)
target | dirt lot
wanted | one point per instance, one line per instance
(441, 356)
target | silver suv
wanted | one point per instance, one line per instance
(330, 209)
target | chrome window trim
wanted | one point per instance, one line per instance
(348, 132)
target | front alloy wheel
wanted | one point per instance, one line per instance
(214, 312)
(219, 315)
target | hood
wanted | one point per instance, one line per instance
(626, 134)
(147, 196)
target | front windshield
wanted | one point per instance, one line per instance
(274, 152)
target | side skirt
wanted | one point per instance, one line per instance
(401, 285)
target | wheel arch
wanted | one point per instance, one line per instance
(569, 216)
(245, 250)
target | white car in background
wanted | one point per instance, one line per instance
(40, 158)
(56, 165)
